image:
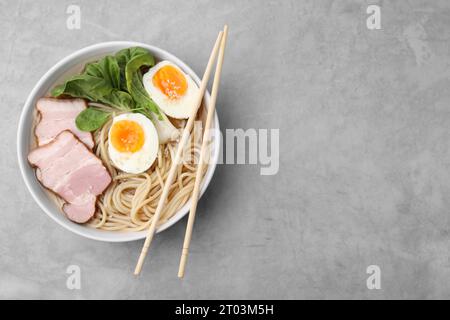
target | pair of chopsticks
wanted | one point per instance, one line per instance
(219, 49)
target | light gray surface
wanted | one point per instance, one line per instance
(364, 152)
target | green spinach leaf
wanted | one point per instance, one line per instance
(106, 68)
(91, 119)
(100, 82)
(132, 59)
(115, 81)
(125, 55)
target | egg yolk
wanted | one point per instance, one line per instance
(127, 136)
(170, 81)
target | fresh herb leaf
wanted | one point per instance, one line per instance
(125, 55)
(133, 59)
(106, 68)
(100, 82)
(91, 119)
(115, 81)
(120, 99)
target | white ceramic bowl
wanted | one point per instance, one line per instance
(61, 70)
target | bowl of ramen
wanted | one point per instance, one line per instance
(98, 133)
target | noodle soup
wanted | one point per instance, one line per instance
(129, 201)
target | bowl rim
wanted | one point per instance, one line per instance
(95, 234)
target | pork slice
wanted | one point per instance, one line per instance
(68, 168)
(58, 115)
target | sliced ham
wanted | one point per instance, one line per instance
(58, 115)
(68, 168)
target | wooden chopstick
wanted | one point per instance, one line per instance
(173, 168)
(205, 141)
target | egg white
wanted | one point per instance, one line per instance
(179, 108)
(142, 159)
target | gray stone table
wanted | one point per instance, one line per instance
(364, 157)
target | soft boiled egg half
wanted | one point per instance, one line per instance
(171, 89)
(132, 142)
